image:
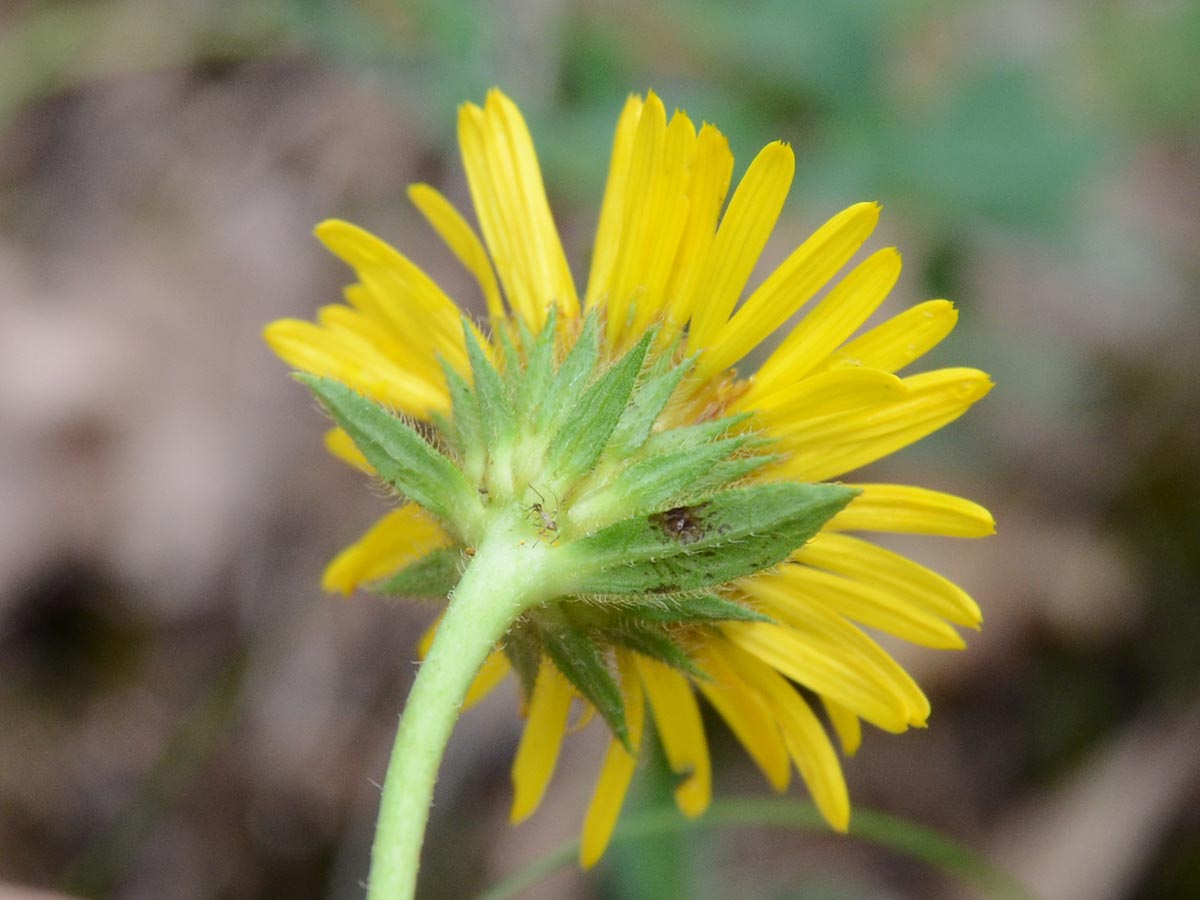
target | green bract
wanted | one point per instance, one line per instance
(639, 527)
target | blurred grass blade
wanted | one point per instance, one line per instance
(905, 838)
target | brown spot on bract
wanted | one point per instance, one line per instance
(683, 523)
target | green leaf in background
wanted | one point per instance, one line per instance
(1151, 50)
(669, 864)
(820, 53)
(441, 53)
(901, 837)
(992, 148)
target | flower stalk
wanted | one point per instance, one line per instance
(506, 576)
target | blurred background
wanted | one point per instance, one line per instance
(184, 715)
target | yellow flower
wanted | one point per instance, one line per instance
(669, 264)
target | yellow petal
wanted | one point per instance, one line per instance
(310, 348)
(460, 237)
(822, 666)
(655, 215)
(712, 167)
(822, 631)
(553, 273)
(612, 209)
(846, 724)
(744, 230)
(908, 582)
(872, 604)
(677, 716)
(495, 203)
(388, 316)
(344, 320)
(343, 447)
(790, 286)
(616, 772)
(379, 313)
(829, 324)
(747, 717)
(537, 754)
(673, 202)
(805, 739)
(353, 351)
(644, 166)
(514, 214)
(827, 394)
(414, 301)
(900, 340)
(903, 509)
(401, 537)
(827, 447)
(365, 343)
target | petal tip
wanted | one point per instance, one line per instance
(335, 580)
(270, 331)
(330, 226)
(692, 799)
(417, 190)
(784, 150)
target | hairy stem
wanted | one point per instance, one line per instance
(507, 575)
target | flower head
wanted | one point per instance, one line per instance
(682, 513)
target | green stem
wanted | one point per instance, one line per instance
(507, 576)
